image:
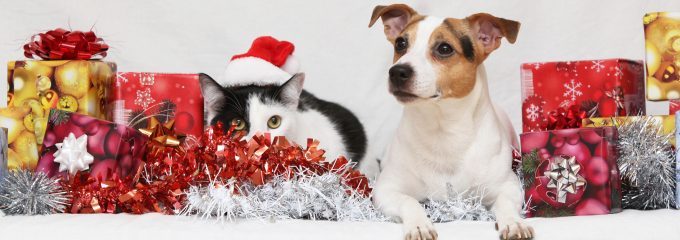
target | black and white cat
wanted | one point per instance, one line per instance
(288, 110)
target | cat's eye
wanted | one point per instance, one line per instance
(238, 123)
(274, 122)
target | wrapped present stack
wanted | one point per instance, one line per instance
(71, 95)
(567, 169)
(588, 146)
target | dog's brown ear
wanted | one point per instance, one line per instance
(394, 18)
(489, 30)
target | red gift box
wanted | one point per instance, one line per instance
(114, 149)
(596, 88)
(571, 172)
(138, 96)
(673, 106)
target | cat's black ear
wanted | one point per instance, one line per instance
(291, 90)
(213, 95)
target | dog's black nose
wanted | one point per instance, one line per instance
(400, 74)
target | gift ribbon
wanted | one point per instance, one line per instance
(562, 118)
(61, 44)
(563, 176)
(162, 136)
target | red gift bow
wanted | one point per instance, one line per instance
(61, 44)
(562, 118)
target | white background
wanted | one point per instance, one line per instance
(344, 60)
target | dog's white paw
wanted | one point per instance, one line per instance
(419, 229)
(514, 229)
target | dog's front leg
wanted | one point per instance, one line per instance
(394, 203)
(507, 207)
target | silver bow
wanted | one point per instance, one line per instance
(564, 177)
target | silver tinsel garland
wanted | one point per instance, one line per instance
(646, 164)
(315, 197)
(28, 193)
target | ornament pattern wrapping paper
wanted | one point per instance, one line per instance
(116, 149)
(138, 96)
(598, 88)
(677, 164)
(3, 154)
(662, 47)
(80, 86)
(22, 149)
(571, 172)
(667, 121)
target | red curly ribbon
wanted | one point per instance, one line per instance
(61, 44)
(562, 118)
(169, 172)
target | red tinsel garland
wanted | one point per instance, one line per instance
(61, 44)
(160, 185)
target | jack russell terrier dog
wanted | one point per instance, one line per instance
(450, 131)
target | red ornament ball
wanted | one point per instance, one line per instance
(596, 171)
(532, 141)
(591, 206)
(579, 150)
(184, 122)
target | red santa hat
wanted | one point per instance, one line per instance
(267, 62)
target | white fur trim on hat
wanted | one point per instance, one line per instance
(253, 71)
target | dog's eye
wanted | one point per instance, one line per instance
(274, 122)
(400, 44)
(444, 50)
(238, 123)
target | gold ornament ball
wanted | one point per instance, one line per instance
(73, 79)
(24, 86)
(90, 103)
(44, 83)
(28, 123)
(67, 103)
(49, 99)
(27, 147)
(40, 125)
(653, 58)
(12, 119)
(14, 161)
(102, 73)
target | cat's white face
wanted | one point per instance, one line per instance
(254, 109)
(270, 116)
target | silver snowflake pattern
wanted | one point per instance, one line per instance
(144, 98)
(566, 103)
(147, 79)
(618, 72)
(533, 112)
(597, 65)
(120, 79)
(572, 89)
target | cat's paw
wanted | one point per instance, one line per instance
(514, 229)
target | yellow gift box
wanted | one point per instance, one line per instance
(36, 86)
(662, 47)
(667, 122)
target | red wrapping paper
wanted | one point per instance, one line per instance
(673, 107)
(593, 153)
(598, 88)
(118, 150)
(138, 96)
